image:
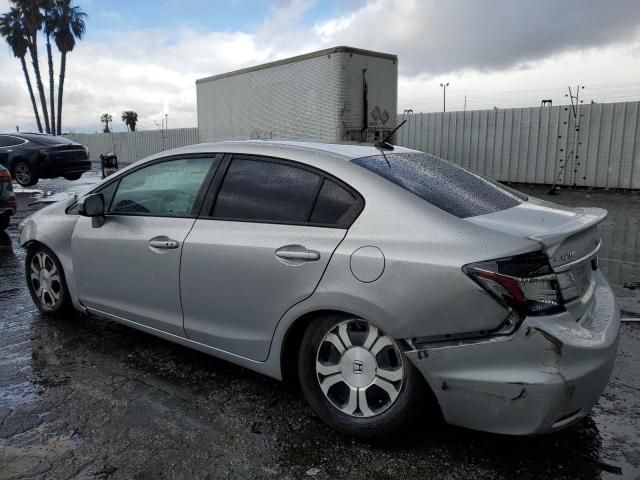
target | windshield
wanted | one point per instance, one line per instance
(445, 185)
(46, 139)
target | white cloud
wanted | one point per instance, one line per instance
(143, 71)
(609, 74)
(435, 37)
(499, 53)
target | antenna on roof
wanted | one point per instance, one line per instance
(384, 143)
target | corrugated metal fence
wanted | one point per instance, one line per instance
(599, 146)
(132, 146)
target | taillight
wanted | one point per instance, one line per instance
(5, 176)
(525, 283)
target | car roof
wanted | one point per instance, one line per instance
(30, 135)
(347, 151)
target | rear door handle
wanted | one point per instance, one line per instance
(164, 243)
(298, 254)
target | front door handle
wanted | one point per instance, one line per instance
(163, 243)
(299, 253)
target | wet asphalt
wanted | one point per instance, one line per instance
(90, 399)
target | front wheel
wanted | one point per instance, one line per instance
(357, 380)
(45, 279)
(24, 174)
(73, 176)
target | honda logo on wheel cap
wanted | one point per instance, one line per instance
(357, 366)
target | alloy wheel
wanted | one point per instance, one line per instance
(360, 369)
(23, 174)
(45, 280)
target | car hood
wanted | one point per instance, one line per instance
(55, 198)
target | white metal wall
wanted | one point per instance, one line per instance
(133, 146)
(599, 148)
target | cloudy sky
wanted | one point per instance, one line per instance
(146, 55)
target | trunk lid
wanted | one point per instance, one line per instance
(568, 236)
(67, 152)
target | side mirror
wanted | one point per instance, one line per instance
(91, 205)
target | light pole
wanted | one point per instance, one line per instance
(444, 96)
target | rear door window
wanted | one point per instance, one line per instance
(443, 184)
(262, 189)
(9, 141)
(266, 191)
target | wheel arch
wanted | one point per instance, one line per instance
(11, 164)
(33, 242)
(290, 347)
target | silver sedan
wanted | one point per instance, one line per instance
(386, 281)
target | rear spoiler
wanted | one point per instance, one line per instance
(588, 218)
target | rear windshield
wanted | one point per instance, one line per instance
(449, 187)
(46, 139)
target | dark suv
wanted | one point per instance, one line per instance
(31, 156)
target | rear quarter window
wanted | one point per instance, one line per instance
(443, 184)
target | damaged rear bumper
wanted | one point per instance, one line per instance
(545, 376)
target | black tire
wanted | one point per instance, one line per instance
(24, 174)
(4, 221)
(412, 401)
(73, 176)
(46, 305)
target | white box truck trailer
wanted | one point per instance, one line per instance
(333, 95)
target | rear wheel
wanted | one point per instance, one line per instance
(45, 279)
(24, 174)
(73, 176)
(357, 380)
(4, 222)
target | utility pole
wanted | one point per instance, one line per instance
(575, 97)
(444, 96)
(161, 128)
(571, 157)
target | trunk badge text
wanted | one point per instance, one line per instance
(564, 256)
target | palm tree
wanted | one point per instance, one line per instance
(32, 19)
(130, 118)
(12, 30)
(49, 28)
(105, 118)
(70, 25)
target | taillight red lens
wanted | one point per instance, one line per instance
(5, 176)
(523, 282)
